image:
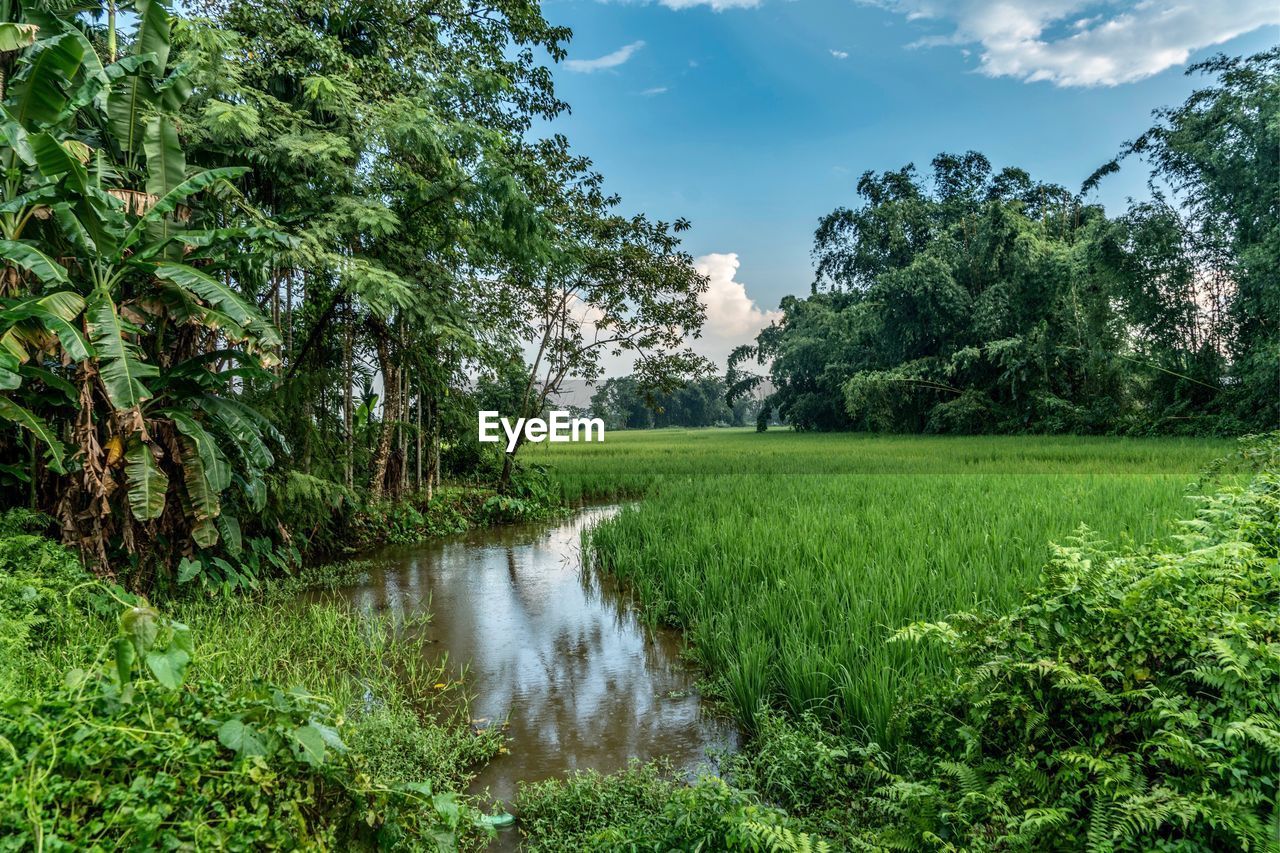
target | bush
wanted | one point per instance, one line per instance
(121, 731)
(1129, 703)
(643, 808)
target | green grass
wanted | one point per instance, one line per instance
(789, 558)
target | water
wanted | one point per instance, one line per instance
(552, 648)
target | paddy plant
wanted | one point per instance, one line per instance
(790, 559)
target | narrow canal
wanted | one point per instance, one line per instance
(552, 649)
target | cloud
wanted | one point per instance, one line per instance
(716, 5)
(733, 317)
(839, 54)
(609, 60)
(1086, 42)
(656, 90)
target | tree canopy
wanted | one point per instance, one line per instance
(971, 300)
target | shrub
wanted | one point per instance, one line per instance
(644, 809)
(120, 731)
(1128, 703)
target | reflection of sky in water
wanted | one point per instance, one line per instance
(551, 648)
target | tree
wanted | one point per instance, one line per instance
(601, 283)
(122, 330)
(1218, 154)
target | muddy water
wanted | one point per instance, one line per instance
(553, 649)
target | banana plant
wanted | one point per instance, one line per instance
(122, 292)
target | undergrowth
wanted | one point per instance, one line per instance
(240, 723)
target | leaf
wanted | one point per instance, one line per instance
(309, 744)
(166, 164)
(216, 468)
(205, 533)
(229, 527)
(169, 666)
(54, 161)
(29, 322)
(74, 230)
(10, 378)
(33, 261)
(52, 380)
(135, 96)
(121, 370)
(35, 316)
(221, 297)
(147, 483)
(238, 423)
(204, 499)
(240, 738)
(39, 95)
(152, 35)
(40, 195)
(11, 411)
(171, 200)
(329, 735)
(14, 37)
(142, 625)
(123, 658)
(188, 569)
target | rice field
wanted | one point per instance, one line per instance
(789, 558)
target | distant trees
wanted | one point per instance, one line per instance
(625, 403)
(981, 301)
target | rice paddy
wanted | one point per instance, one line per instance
(790, 558)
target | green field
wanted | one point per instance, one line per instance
(789, 558)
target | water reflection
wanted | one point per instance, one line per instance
(551, 648)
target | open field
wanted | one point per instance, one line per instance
(789, 558)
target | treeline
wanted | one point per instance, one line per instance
(261, 258)
(980, 301)
(623, 402)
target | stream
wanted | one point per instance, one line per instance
(553, 648)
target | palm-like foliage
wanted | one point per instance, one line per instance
(122, 329)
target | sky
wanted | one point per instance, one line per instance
(753, 118)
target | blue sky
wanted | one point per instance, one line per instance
(752, 118)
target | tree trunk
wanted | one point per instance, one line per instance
(417, 455)
(390, 407)
(348, 420)
(402, 482)
(433, 466)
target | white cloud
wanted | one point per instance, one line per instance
(839, 54)
(733, 317)
(609, 60)
(716, 5)
(1086, 42)
(656, 90)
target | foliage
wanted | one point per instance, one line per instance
(1218, 153)
(126, 726)
(1127, 703)
(642, 808)
(119, 327)
(623, 404)
(788, 559)
(249, 248)
(982, 301)
(454, 509)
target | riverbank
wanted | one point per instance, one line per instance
(242, 722)
(350, 726)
